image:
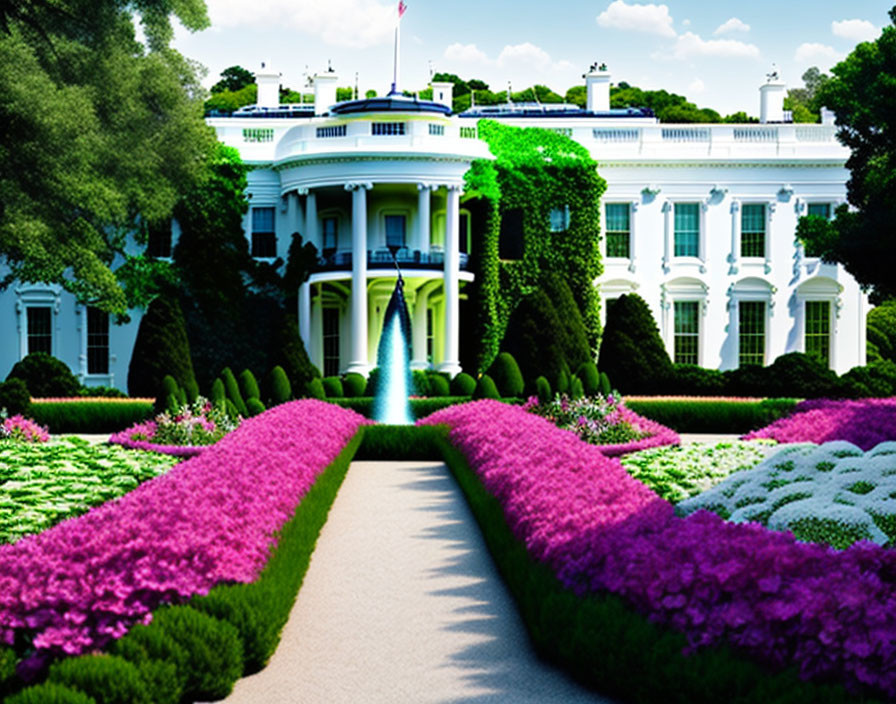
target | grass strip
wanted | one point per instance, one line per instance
(611, 648)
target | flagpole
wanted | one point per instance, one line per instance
(395, 58)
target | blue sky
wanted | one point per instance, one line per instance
(717, 54)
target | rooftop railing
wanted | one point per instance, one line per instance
(382, 259)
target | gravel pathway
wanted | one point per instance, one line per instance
(402, 603)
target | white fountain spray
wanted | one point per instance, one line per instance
(391, 404)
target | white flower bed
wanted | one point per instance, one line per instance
(832, 493)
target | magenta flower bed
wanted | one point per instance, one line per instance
(124, 439)
(659, 435)
(865, 422)
(210, 519)
(831, 614)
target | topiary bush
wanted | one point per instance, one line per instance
(333, 387)
(749, 380)
(254, 406)
(50, 693)
(373, 379)
(692, 380)
(214, 653)
(315, 389)
(161, 348)
(574, 341)
(248, 385)
(875, 380)
(45, 376)
(485, 388)
(162, 662)
(800, 375)
(439, 386)
(590, 377)
(604, 387)
(632, 352)
(881, 329)
(354, 385)
(109, 679)
(532, 338)
(576, 389)
(14, 397)
(289, 352)
(233, 392)
(278, 388)
(561, 382)
(463, 385)
(218, 393)
(168, 397)
(507, 377)
(420, 380)
(543, 390)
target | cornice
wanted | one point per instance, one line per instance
(316, 161)
(727, 164)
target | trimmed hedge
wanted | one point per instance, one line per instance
(691, 415)
(233, 391)
(50, 693)
(45, 375)
(485, 388)
(354, 385)
(400, 442)
(278, 388)
(93, 416)
(249, 385)
(333, 387)
(14, 397)
(420, 407)
(610, 647)
(505, 372)
(109, 679)
(463, 385)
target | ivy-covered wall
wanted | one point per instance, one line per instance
(535, 170)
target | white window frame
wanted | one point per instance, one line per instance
(766, 259)
(84, 376)
(669, 257)
(819, 289)
(632, 209)
(683, 289)
(38, 296)
(750, 289)
(381, 221)
(258, 206)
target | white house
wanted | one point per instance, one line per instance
(697, 219)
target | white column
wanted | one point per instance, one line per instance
(305, 314)
(359, 359)
(734, 257)
(418, 333)
(311, 234)
(423, 217)
(632, 243)
(451, 359)
(702, 244)
(667, 235)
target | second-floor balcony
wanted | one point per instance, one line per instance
(382, 259)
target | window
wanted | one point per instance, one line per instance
(818, 330)
(331, 131)
(687, 230)
(258, 134)
(510, 243)
(40, 329)
(330, 235)
(752, 230)
(751, 342)
(97, 341)
(395, 231)
(437, 130)
(468, 133)
(618, 230)
(158, 243)
(559, 218)
(687, 332)
(264, 241)
(465, 234)
(331, 341)
(430, 335)
(387, 129)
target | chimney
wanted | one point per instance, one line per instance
(268, 82)
(597, 84)
(828, 117)
(324, 91)
(443, 93)
(771, 98)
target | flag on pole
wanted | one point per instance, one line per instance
(401, 8)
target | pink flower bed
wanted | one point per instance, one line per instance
(865, 422)
(147, 429)
(210, 519)
(658, 435)
(830, 614)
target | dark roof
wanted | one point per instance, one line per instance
(389, 103)
(550, 110)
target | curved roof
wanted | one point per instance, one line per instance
(389, 103)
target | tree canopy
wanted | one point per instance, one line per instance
(804, 102)
(862, 94)
(99, 131)
(233, 78)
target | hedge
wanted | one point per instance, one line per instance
(91, 416)
(400, 442)
(420, 407)
(610, 647)
(707, 415)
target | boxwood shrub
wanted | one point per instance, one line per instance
(94, 416)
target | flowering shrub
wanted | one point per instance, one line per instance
(831, 615)
(40, 485)
(680, 471)
(21, 429)
(832, 493)
(865, 422)
(194, 426)
(605, 422)
(210, 519)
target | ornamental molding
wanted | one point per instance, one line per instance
(679, 164)
(317, 161)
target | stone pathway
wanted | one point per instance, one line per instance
(402, 603)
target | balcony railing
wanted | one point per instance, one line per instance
(382, 259)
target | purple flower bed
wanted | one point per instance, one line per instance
(659, 435)
(865, 422)
(210, 519)
(830, 614)
(124, 439)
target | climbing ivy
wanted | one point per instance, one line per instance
(535, 170)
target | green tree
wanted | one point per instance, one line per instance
(344, 93)
(577, 95)
(862, 95)
(804, 102)
(227, 101)
(882, 332)
(97, 128)
(233, 79)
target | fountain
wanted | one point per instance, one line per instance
(391, 404)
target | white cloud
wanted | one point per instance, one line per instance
(652, 19)
(526, 54)
(856, 30)
(696, 86)
(812, 51)
(465, 53)
(686, 23)
(732, 25)
(690, 45)
(349, 23)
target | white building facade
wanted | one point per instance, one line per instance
(699, 220)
